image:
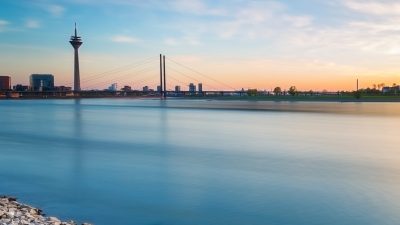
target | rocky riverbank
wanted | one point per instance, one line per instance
(15, 213)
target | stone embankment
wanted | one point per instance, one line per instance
(15, 213)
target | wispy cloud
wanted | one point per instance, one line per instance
(55, 10)
(3, 25)
(374, 7)
(259, 20)
(196, 7)
(32, 24)
(288, 31)
(171, 41)
(185, 40)
(299, 21)
(124, 39)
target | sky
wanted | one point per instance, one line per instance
(225, 44)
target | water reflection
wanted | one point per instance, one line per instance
(77, 119)
(77, 151)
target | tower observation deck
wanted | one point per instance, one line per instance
(76, 42)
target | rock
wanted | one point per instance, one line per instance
(11, 199)
(10, 214)
(15, 213)
(51, 218)
(33, 212)
(6, 221)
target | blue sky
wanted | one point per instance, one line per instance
(313, 44)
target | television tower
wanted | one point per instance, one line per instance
(76, 42)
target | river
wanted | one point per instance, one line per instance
(179, 162)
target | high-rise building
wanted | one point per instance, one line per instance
(192, 88)
(200, 87)
(146, 89)
(127, 88)
(76, 42)
(41, 82)
(113, 87)
(20, 87)
(5, 83)
(177, 89)
(159, 88)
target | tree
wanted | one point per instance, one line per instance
(277, 90)
(252, 92)
(292, 90)
(357, 94)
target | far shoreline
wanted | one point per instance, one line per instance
(339, 99)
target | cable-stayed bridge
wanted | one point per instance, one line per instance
(151, 76)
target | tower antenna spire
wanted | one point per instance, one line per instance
(76, 34)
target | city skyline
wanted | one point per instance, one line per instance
(247, 44)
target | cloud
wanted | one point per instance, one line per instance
(32, 24)
(374, 31)
(197, 7)
(124, 39)
(171, 41)
(191, 59)
(374, 7)
(55, 10)
(296, 33)
(3, 25)
(185, 40)
(299, 21)
(259, 20)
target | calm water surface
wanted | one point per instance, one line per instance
(203, 162)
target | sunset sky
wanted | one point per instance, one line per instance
(312, 44)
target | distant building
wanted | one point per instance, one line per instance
(20, 87)
(177, 88)
(113, 87)
(5, 83)
(159, 89)
(146, 89)
(41, 82)
(192, 88)
(200, 85)
(394, 89)
(386, 90)
(62, 88)
(127, 88)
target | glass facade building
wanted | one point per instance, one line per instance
(41, 82)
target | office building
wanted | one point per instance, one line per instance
(192, 88)
(394, 89)
(20, 87)
(62, 88)
(200, 85)
(41, 82)
(113, 87)
(146, 89)
(5, 83)
(177, 88)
